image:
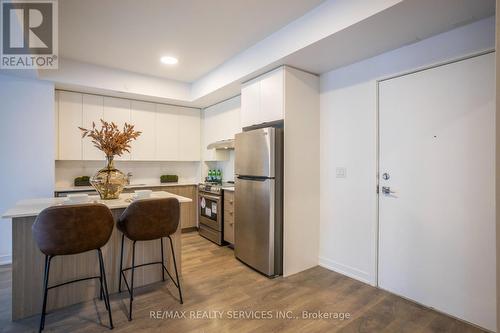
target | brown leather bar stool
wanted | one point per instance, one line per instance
(144, 220)
(73, 229)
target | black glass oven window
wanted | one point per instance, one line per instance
(208, 208)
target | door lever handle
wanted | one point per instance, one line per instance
(387, 190)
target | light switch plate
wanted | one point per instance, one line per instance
(341, 172)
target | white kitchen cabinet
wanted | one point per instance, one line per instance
(272, 91)
(143, 117)
(250, 103)
(220, 122)
(189, 134)
(117, 110)
(92, 109)
(262, 99)
(70, 118)
(229, 118)
(56, 124)
(167, 132)
(210, 134)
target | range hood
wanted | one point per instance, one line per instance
(223, 144)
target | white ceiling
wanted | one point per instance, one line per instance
(132, 35)
(316, 42)
(407, 22)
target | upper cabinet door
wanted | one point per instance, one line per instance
(70, 118)
(207, 132)
(272, 96)
(250, 103)
(143, 117)
(92, 113)
(262, 99)
(229, 118)
(220, 122)
(117, 110)
(189, 135)
(167, 133)
(56, 124)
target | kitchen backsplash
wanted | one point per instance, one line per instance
(142, 172)
(227, 167)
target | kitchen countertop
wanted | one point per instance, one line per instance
(33, 207)
(228, 188)
(90, 188)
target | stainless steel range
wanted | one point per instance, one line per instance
(210, 212)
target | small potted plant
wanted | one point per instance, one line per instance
(109, 181)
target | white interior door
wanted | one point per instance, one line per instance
(437, 147)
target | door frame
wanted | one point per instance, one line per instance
(377, 171)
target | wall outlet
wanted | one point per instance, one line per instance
(341, 172)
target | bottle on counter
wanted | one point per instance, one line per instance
(219, 176)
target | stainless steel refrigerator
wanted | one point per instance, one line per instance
(258, 210)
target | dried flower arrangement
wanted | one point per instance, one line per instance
(109, 139)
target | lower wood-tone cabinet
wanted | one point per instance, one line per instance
(190, 217)
(229, 216)
(191, 192)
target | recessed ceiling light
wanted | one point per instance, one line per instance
(169, 60)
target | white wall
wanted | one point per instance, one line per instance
(79, 76)
(497, 188)
(226, 167)
(348, 130)
(142, 172)
(26, 147)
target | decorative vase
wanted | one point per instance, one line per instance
(109, 181)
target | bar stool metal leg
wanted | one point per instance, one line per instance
(45, 290)
(105, 287)
(101, 291)
(121, 266)
(175, 267)
(162, 260)
(132, 281)
(101, 274)
(100, 288)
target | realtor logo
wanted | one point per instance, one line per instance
(29, 34)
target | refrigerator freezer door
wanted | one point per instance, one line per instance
(254, 223)
(254, 153)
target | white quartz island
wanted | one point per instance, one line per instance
(28, 261)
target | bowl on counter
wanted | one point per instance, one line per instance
(142, 194)
(77, 198)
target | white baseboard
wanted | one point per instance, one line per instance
(5, 259)
(347, 270)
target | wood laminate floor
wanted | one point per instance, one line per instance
(213, 280)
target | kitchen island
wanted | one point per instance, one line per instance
(186, 189)
(28, 261)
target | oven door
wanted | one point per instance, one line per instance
(210, 211)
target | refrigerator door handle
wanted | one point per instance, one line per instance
(255, 178)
